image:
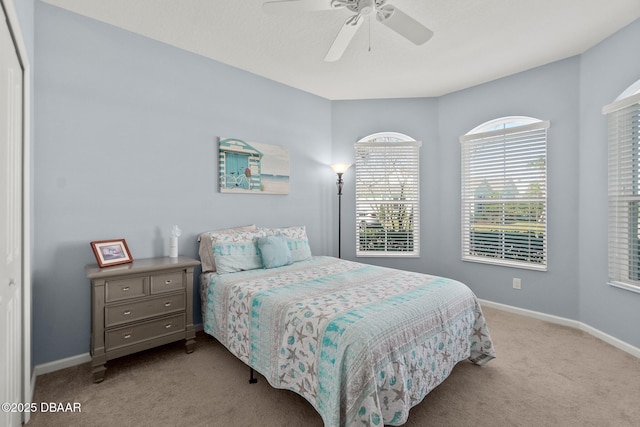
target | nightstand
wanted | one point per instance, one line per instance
(138, 306)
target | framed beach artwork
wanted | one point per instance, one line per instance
(252, 167)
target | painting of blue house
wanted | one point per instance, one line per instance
(252, 167)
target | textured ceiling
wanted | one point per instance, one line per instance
(474, 42)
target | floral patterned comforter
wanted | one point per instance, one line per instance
(363, 344)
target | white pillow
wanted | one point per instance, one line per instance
(236, 251)
(206, 245)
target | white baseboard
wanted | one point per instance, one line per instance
(624, 346)
(68, 362)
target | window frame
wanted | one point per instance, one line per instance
(623, 238)
(407, 150)
(514, 233)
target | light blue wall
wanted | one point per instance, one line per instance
(126, 147)
(606, 71)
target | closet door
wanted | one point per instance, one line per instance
(11, 124)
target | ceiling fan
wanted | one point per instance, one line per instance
(387, 14)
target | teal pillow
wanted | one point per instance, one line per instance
(275, 251)
(296, 239)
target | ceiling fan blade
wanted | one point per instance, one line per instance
(294, 6)
(403, 24)
(344, 37)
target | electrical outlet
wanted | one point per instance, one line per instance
(517, 283)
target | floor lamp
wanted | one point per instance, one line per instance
(340, 169)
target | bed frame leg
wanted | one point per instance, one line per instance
(252, 379)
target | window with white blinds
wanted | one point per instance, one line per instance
(387, 196)
(504, 193)
(623, 118)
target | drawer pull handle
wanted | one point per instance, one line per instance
(167, 282)
(125, 289)
(167, 304)
(127, 336)
(167, 326)
(127, 313)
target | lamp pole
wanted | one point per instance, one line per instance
(340, 169)
(339, 184)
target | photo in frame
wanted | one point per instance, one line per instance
(252, 167)
(111, 252)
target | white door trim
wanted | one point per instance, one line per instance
(14, 25)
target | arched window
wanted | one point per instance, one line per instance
(634, 89)
(504, 192)
(623, 117)
(388, 195)
(503, 123)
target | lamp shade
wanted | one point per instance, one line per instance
(340, 167)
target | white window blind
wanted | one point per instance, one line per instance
(624, 191)
(504, 196)
(387, 198)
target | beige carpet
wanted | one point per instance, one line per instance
(545, 375)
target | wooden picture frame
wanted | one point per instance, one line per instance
(111, 252)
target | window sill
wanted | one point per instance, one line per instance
(505, 263)
(387, 255)
(625, 286)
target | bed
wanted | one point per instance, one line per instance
(363, 344)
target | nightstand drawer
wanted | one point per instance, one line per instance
(120, 289)
(166, 282)
(126, 336)
(123, 313)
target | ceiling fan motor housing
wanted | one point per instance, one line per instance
(366, 7)
(361, 7)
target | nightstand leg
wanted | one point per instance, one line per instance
(190, 344)
(98, 367)
(190, 339)
(98, 373)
